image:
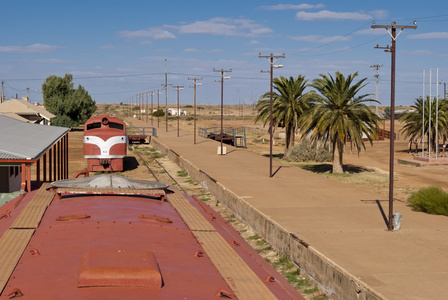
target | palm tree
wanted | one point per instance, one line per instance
(413, 120)
(289, 102)
(340, 116)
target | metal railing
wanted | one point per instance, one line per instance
(238, 134)
(141, 131)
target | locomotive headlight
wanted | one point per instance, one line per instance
(105, 121)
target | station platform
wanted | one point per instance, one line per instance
(343, 223)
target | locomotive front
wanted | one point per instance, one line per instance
(105, 143)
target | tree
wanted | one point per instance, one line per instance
(71, 107)
(289, 102)
(413, 120)
(159, 113)
(386, 113)
(339, 116)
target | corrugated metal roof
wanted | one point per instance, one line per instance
(22, 140)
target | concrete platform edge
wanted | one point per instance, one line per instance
(337, 282)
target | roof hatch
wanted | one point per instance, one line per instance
(119, 268)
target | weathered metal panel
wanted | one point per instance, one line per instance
(12, 244)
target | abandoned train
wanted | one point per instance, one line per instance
(105, 143)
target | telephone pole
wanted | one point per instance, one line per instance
(272, 58)
(3, 91)
(392, 50)
(377, 76)
(146, 109)
(158, 108)
(178, 88)
(194, 106)
(222, 71)
(152, 108)
(166, 97)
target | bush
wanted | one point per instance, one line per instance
(159, 113)
(305, 151)
(432, 200)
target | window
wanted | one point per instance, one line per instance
(116, 125)
(94, 125)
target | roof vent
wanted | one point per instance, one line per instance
(119, 269)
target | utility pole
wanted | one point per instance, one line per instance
(152, 108)
(222, 71)
(166, 97)
(444, 90)
(146, 109)
(377, 76)
(272, 58)
(392, 50)
(178, 88)
(3, 91)
(158, 108)
(194, 106)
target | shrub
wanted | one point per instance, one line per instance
(159, 113)
(432, 200)
(305, 151)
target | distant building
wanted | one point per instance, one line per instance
(175, 112)
(21, 109)
(401, 112)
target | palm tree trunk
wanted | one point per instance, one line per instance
(290, 134)
(337, 158)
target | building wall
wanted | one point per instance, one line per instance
(10, 179)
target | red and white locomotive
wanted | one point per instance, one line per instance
(105, 143)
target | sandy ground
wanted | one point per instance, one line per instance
(373, 162)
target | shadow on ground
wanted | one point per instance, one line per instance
(327, 168)
(130, 163)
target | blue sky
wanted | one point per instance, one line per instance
(117, 49)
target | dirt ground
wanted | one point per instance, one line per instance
(368, 169)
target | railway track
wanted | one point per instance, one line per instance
(150, 161)
(155, 167)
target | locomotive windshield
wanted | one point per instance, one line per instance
(94, 125)
(116, 125)
(111, 125)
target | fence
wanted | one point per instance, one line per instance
(141, 131)
(237, 135)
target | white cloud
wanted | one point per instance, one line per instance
(429, 35)
(34, 48)
(371, 31)
(55, 61)
(380, 13)
(191, 50)
(292, 6)
(331, 15)
(253, 42)
(320, 39)
(156, 33)
(225, 26)
(107, 46)
(419, 52)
